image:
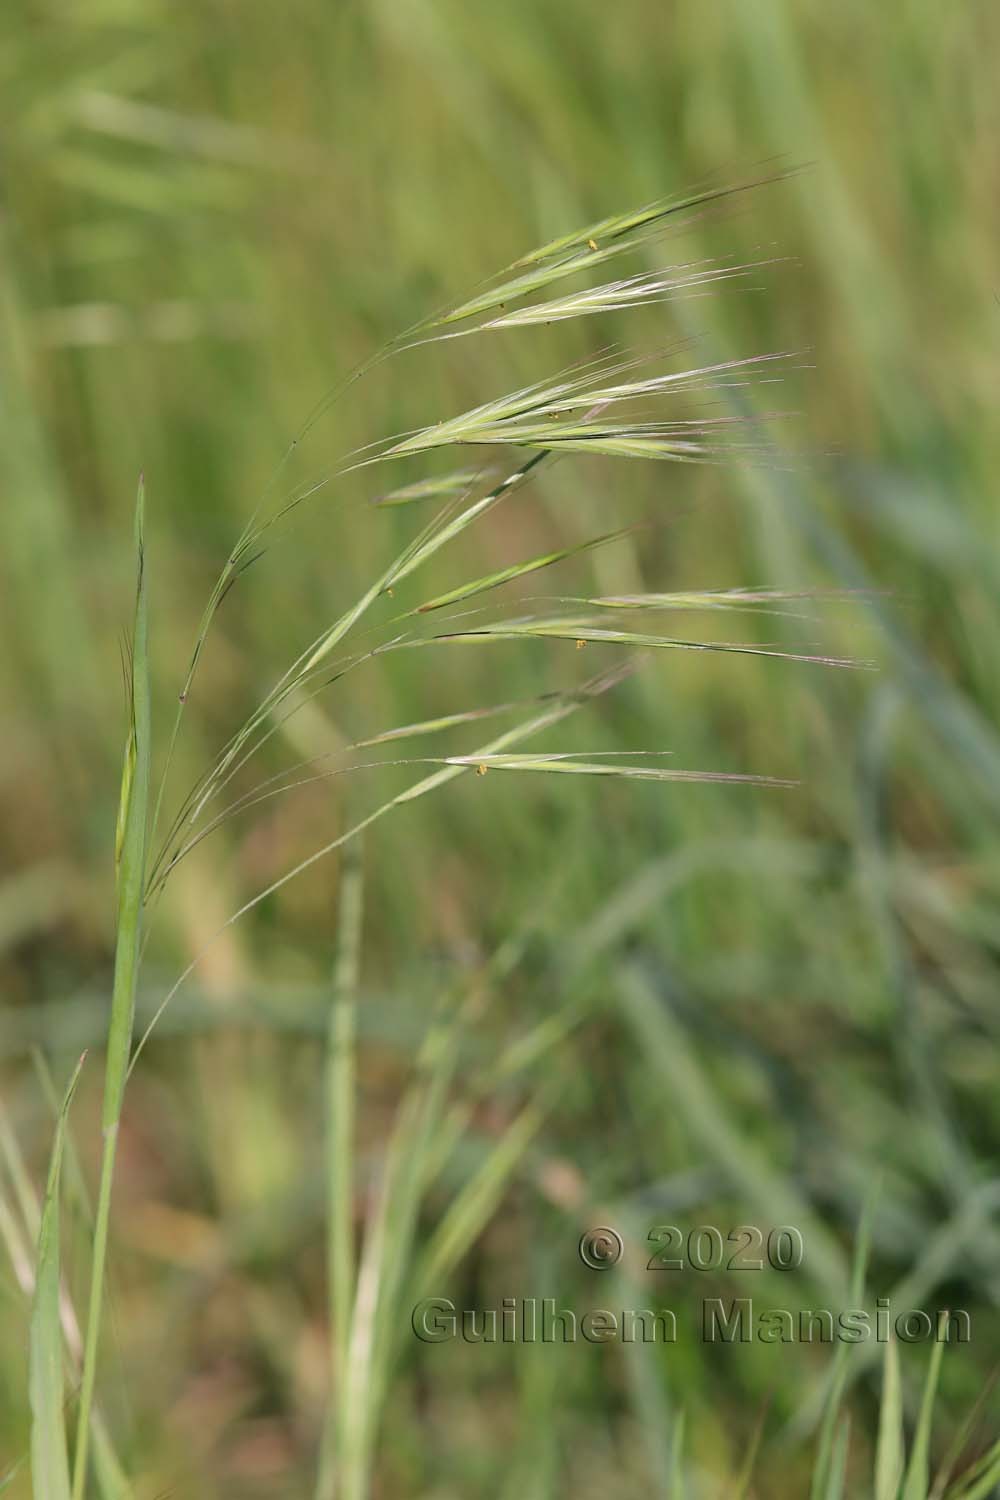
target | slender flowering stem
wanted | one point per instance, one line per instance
(133, 824)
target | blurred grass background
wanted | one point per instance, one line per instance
(212, 212)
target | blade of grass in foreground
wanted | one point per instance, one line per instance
(418, 1124)
(131, 851)
(475, 1204)
(678, 1489)
(354, 1427)
(917, 1473)
(340, 1085)
(889, 1452)
(49, 1461)
(423, 1134)
(16, 1236)
(420, 1136)
(961, 1438)
(837, 1471)
(982, 1480)
(823, 1481)
(743, 1483)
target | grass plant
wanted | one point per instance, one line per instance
(612, 1000)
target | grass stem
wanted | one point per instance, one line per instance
(131, 859)
(340, 1086)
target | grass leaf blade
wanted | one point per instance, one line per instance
(134, 824)
(917, 1473)
(49, 1460)
(889, 1452)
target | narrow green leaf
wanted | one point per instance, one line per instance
(917, 1473)
(358, 1414)
(889, 1450)
(472, 1208)
(742, 1487)
(823, 1468)
(981, 1480)
(418, 1136)
(863, 1240)
(128, 947)
(49, 1459)
(340, 1097)
(340, 1104)
(961, 1437)
(678, 1489)
(125, 797)
(837, 1473)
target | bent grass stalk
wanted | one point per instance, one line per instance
(598, 407)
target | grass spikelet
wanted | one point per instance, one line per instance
(568, 764)
(573, 629)
(642, 290)
(539, 415)
(599, 243)
(519, 570)
(431, 489)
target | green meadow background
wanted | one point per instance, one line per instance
(678, 1004)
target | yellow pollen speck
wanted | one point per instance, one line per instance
(580, 645)
(481, 770)
(591, 244)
